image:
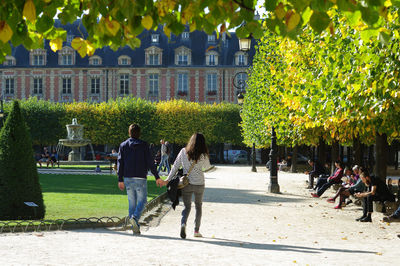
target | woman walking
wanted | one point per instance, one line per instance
(195, 157)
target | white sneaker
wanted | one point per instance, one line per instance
(197, 234)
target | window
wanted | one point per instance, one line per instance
(124, 61)
(182, 84)
(185, 35)
(241, 61)
(66, 86)
(70, 37)
(124, 84)
(182, 59)
(212, 84)
(67, 59)
(211, 38)
(95, 61)
(95, 85)
(9, 86)
(211, 60)
(153, 85)
(153, 59)
(38, 60)
(10, 62)
(154, 38)
(37, 86)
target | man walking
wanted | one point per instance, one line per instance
(164, 157)
(134, 161)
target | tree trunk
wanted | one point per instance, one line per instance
(349, 156)
(293, 168)
(371, 159)
(381, 149)
(221, 152)
(335, 155)
(341, 150)
(321, 152)
(396, 155)
(358, 152)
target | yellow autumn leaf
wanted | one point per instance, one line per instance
(79, 45)
(56, 44)
(29, 11)
(293, 21)
(90, 49)
(192, 26)
(167, 31)
(112, 26)
(280, 11)
(147, 22)
(5, 32)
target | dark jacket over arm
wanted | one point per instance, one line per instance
(135, 160)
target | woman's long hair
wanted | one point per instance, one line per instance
(196, 147)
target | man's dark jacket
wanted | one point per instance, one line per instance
(135, 160)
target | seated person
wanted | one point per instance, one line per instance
(283, 165)
(377, 191)
(347, 179)
(44, 157)
(344, 192)
(395, 217)
(98, 169)
(53, 158)
(324, 183)
(317, 170)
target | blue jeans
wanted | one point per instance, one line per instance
(164, 162)
(136, 189)
(397, 213)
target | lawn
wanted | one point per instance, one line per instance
(104, 167)
(77, 196)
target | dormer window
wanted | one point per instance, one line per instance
(38, 57)
(240, 59)
(10, 61)
(155, 38)
(66, 57)
(70, 37)
(153, 56)
(95, 60)
(211, 38)
(124, 60)
(185, 35)
(211, 58)
(183, 56)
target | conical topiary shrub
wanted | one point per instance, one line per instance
(19, 179)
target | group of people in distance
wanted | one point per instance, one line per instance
(47, 157)
(356, 181)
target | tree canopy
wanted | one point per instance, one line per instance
(338, 87)
(117, 23)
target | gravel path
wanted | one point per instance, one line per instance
(241, 225)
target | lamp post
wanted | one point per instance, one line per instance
(244, 45)
(273, 186)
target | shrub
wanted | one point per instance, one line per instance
(19, 179)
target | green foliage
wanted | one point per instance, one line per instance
(108, 122)
(118, 23)
(19, 180)
(338, 87)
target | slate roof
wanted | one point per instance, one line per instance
(198, 43)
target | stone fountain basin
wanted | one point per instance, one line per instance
(74, 142)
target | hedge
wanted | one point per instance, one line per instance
(107, 122)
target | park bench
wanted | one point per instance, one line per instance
(389, 205)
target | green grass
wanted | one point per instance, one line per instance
(104, 167)
(76, 196)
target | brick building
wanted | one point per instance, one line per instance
(193, 66)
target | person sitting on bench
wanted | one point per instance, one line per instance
(324, 183)
(377, 191)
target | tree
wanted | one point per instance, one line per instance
(118, 23)
(19, 179)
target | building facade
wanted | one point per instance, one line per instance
(193, 66)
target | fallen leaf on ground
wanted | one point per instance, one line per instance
(274, 217)
(379, 253)
(344, 238)
(310, 205)
(382, 227)
(274, 240)
(39, 234)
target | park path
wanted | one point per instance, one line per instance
(241, 225)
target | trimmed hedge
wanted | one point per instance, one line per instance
(108, 122)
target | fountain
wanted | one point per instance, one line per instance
(74, 140)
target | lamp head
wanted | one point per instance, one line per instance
(240, 98)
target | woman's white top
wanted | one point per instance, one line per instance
(196, 176)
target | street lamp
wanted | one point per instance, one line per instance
(244, 45)
(273, 186)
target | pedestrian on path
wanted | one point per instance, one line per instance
(194, 156)
(164, 157)
(134, 161)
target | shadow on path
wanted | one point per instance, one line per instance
(245, 196)
(250, 245)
